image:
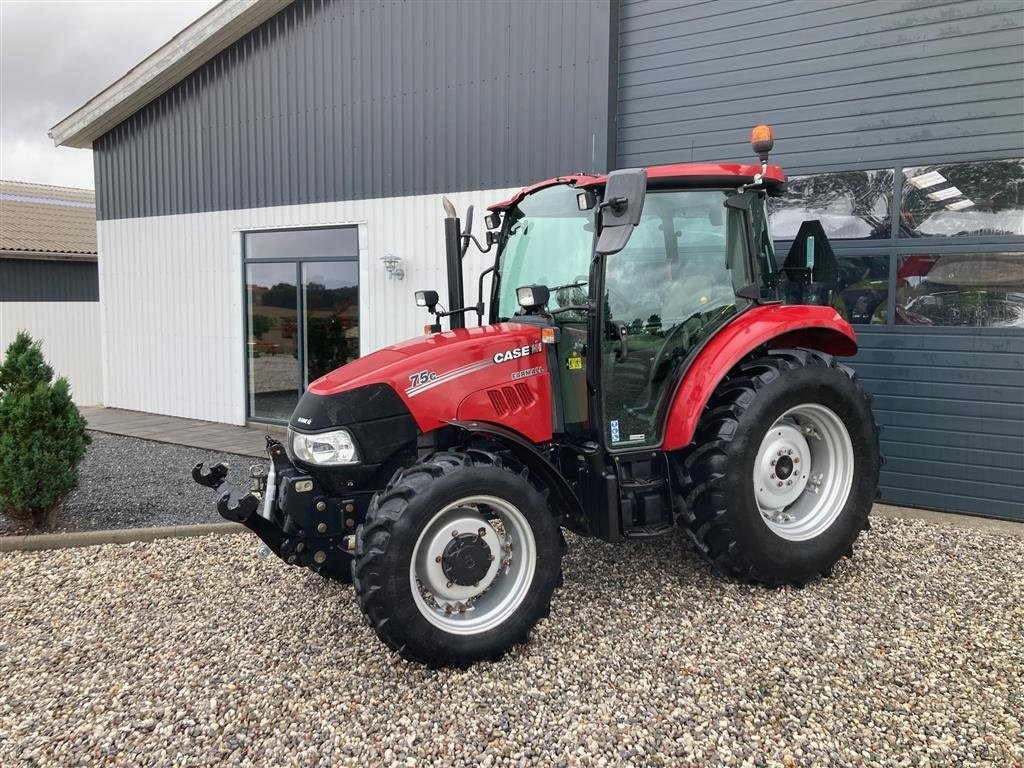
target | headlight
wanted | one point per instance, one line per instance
(325, 448)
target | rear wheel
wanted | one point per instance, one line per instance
(457, 560)
(784, 469)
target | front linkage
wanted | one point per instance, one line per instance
(289, 511)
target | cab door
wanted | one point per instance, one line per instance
(668, 289)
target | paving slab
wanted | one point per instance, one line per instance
(248, 441)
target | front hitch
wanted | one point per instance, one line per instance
(290, 511)
(233, 504)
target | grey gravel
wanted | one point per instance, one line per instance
(124, 482)
(196, 652)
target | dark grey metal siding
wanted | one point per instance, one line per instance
(951, 405)
(39, 280)
(337, 99)
(848, 85)
(845, 85)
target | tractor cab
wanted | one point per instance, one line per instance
(629, 311)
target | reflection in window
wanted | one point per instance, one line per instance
(978, 198)
(961, 289)
(857, 287)
(852, 205)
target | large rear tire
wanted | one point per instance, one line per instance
(457, 559)
(784, 469)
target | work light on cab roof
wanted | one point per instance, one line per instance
(641, 359)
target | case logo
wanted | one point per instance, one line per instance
(518, 352)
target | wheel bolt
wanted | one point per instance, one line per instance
(780, 483)
(773, 475)
(772, 461)
(796, 459)
(437, 559)
(481, 532)
(455, 534)
(789, 482)
(448, 584)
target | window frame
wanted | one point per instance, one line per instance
(300, 335)
(896, 246)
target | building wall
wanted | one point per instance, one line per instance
(845, 85)
(883, 84)
(343, 100)
(48, 280)
(70, 336)
(172, 293)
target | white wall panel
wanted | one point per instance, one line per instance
(172, 294)
(70, 335)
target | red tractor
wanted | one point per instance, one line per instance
(637, 370)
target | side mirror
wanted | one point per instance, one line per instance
(621, 208)
(427, 299)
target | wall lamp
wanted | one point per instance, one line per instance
(393, 266)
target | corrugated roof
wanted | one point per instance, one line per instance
(37, 219)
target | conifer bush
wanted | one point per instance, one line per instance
(42, 436)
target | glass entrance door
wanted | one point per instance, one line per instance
(302, 313)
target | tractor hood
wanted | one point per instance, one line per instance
(491, 373)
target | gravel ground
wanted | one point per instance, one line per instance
(196, 652)
(124, 482)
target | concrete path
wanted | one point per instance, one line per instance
(248, 441)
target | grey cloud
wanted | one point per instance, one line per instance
(55, 56)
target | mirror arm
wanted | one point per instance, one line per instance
(466, 238)
(480, 291)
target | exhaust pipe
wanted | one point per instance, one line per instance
(453, 259)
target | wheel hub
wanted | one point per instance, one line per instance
(466, 559)
(782, 467)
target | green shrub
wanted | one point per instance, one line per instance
(42, 436)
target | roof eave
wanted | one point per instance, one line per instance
(171, 63)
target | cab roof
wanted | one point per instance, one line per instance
(681, 174)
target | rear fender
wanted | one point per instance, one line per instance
(562, 498)
(773, 326)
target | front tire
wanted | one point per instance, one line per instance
(457, 559)
(784, 470)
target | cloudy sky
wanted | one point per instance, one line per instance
(57, 54)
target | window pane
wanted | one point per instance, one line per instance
(852, 205)
(546, 223)
(857, 287)
(964, 289)
(334, 242)
(980, 198)
(273, 352)
(330, 292)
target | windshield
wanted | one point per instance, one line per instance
(549, 243)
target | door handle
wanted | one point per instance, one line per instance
(622, 331)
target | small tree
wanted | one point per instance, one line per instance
(42, 436)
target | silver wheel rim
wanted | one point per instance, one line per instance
(803, 473)
(474, 608)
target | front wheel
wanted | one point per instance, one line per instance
(457, 560)
(784, 470)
